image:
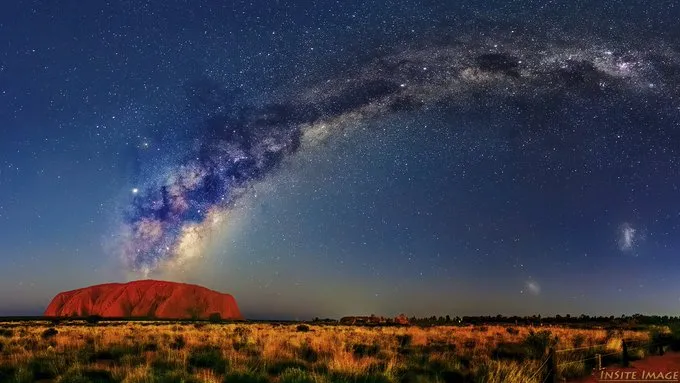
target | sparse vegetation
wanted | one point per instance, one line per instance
(258, 353)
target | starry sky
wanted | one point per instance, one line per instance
(346, 157)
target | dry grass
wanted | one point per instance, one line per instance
(167, 352)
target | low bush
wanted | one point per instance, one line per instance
(537, 343)
(245, 378)
(307, 353)
(7, 333)
(207, 357)
(511, 351)
(295, 375)
(178, 343)
(362, 350)
(404, 340)
(49, 333)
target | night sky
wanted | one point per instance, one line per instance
(347, 157)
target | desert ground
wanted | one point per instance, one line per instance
(77, 351)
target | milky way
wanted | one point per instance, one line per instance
(235, 145)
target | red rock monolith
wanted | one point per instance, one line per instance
(145, 298)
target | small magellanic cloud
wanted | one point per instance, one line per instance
(532, 287)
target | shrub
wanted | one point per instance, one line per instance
(6, 373)
(614, 333)
(579, 340)
(162, 367)
(675, 331)
(207, 357)
(362, 350)
(307, 353)
(114, 352)
(439, 347)
(404, 340)
(178, 343)
(576, 369)
(302, 328)
(295, 375)
(368, 378)
(242, 331)
(89, 341)
(537, 343)
(88, 376)
(30, 344)
(7, 333)
(43, 368)
(279, 367)
(512, 331)
(49, 333)
(175, 377)
(453, 376)
(215, 318)
(245, 378)
(512, 351)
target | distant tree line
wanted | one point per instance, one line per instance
(631, 320)
(535, 320)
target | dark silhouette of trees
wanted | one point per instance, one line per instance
(582, 320)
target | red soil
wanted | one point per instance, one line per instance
(670, 362)
(146, 298)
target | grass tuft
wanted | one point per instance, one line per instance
(207, 357)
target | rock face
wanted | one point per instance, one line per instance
(146, 298)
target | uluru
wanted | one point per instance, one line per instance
(144, 298)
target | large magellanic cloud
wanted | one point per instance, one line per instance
(235, 145)
(627, 237)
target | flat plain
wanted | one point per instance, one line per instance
(141, 351)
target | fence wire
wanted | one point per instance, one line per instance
(547, 376)
(579, 348)
(594, 346)
(540, 368)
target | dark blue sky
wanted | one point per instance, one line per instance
(346, 157)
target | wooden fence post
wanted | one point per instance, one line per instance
(599, 361)
(552, 367)
(625, 358)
